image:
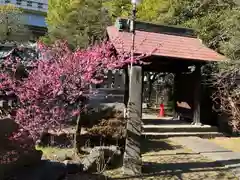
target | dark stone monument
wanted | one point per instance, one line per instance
(132, 163)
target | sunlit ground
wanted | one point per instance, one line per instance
(164, 160)
(228, 143)
(55, 153)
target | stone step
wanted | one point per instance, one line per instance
(179, 128)
(162, 121)
(181, 134)
(100, 98)
(109, 91)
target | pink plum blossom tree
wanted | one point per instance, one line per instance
(56, 86)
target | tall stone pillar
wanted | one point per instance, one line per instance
(132, 163)
(126, 91)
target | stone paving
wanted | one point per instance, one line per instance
(212, 151)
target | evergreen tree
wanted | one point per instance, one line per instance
(80, 22)
(148, 10)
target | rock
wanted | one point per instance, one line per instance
(45, 170)
(73, 168)
(50, 138)
(109, 150)
(63, 155)
(15, 153)
(44, 140)
(90, 160)
(7, 127)
(99, 153)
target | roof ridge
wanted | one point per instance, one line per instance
(123, 24)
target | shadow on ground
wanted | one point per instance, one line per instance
(178, 169)
(49, 170)
(164, 160)
(186, 167)
(154, 145)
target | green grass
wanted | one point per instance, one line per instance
(55, 153)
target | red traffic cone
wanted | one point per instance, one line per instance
(161, 111)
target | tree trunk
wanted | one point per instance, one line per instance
(77, 134)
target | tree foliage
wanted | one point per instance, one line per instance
(80, 22)
(210, 18)
(230, 44)
(148, 10)
(226, 79)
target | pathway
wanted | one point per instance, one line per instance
(227, 158)
(164, 159)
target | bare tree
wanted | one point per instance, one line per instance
(227, 94)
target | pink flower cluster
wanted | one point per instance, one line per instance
(55, 87)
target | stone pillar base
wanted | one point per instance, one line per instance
(132, 167)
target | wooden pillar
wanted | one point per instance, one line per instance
(197, 95)
(109, 79)
(175, 91)
(117, 79)
(122, 75)
(132, 163)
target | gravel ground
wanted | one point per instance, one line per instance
(164, 160)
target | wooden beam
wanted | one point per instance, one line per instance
(132, 163)
(166, 67)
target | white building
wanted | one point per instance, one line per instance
(34, 12)
(34, 5)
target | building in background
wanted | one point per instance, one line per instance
(35, 12)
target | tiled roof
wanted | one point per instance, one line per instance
(163, 44)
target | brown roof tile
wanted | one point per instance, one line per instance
(189, 48)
